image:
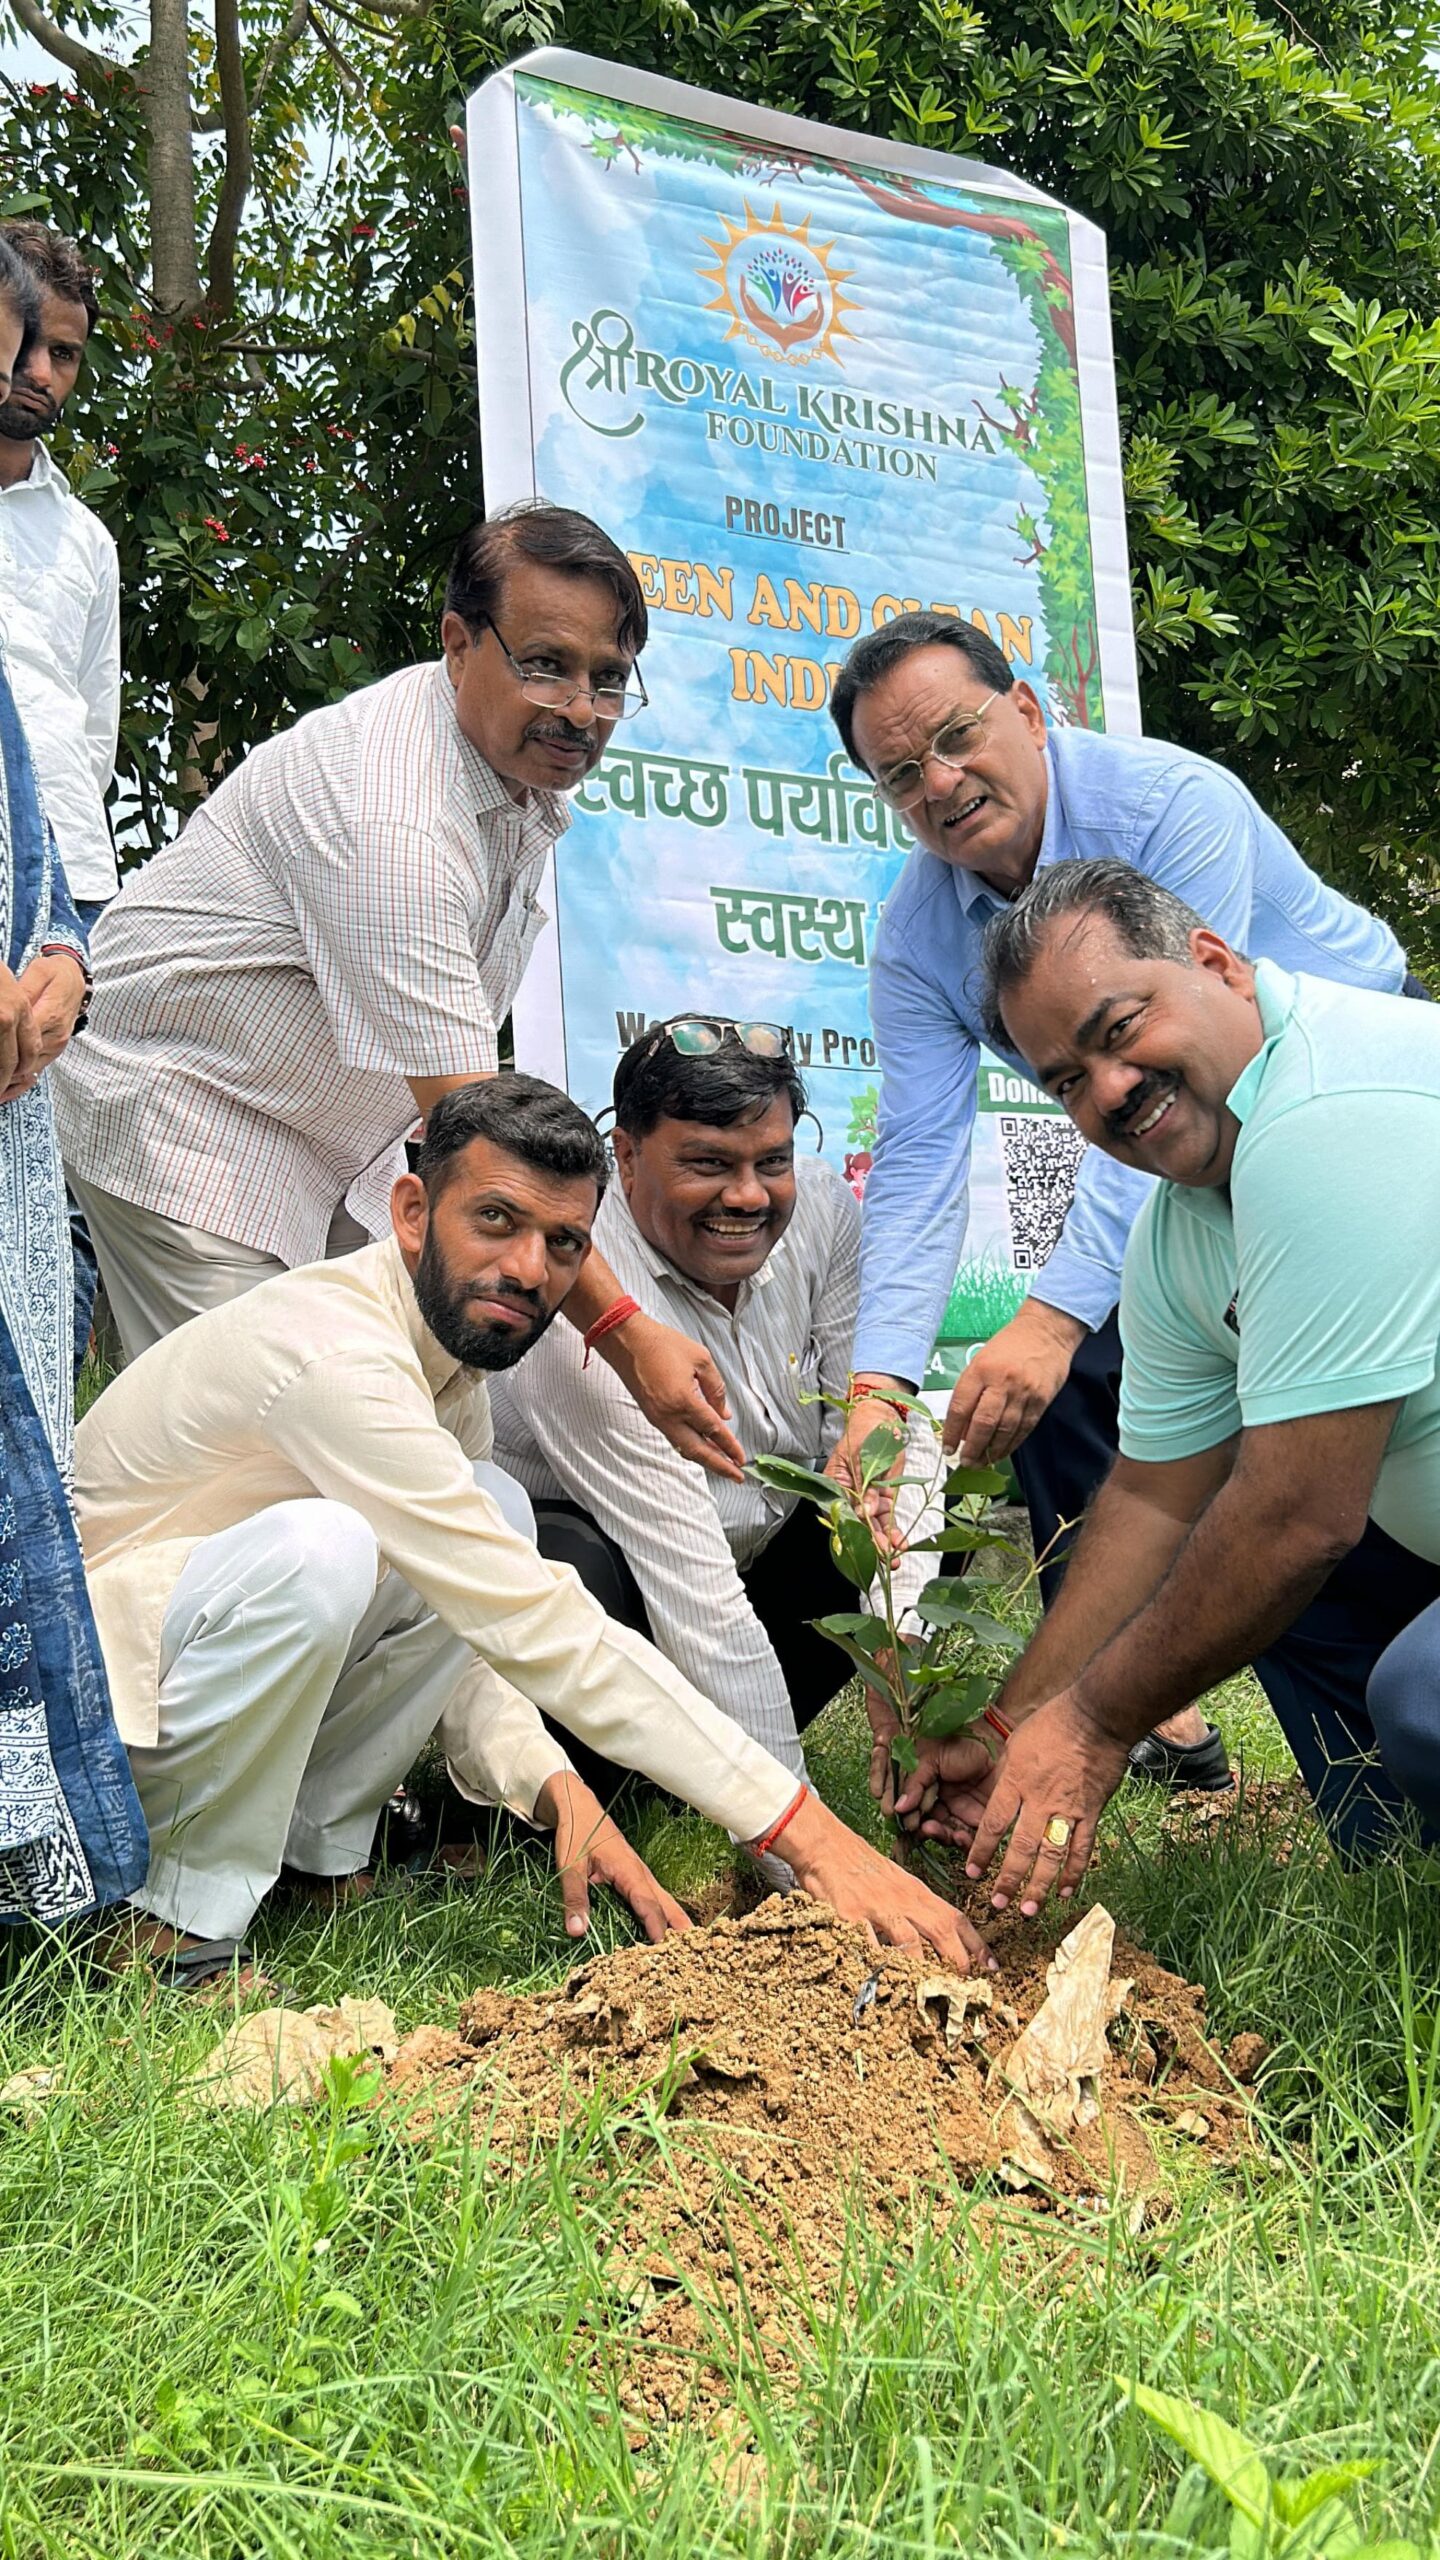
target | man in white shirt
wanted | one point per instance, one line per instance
(715, 1224)
(60, 580)
(333, 943)
(299, 1568)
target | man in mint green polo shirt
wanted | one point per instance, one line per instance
(1276, 1499)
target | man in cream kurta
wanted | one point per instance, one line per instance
(327, 1382)
(297, 1571)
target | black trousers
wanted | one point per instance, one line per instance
(1358, 1674)
(1071, 1451)
(792, 1581)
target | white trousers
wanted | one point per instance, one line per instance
(157, 1273)
(294, 1695)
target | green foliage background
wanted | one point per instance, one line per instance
(1268, 190)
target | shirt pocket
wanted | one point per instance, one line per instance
(800, 1406)
(47, 610)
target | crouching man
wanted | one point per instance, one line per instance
(302, 1562)
(1276, 1499)
(717, 1228)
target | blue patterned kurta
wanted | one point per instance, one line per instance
(71, 1832)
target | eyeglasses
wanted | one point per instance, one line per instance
(954, 745)
(703, 1035)
(608, 701)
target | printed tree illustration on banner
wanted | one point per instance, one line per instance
(1042, 428)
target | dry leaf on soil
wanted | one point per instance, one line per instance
(1054, 2068)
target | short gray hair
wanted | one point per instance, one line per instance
(1150, 921)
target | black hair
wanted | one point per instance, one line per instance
(729, 1085)
(56, 263)
(1148, 919)
(879, 651)
(21, 296)
(532, 1121)
(549, 538)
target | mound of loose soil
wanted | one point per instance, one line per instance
(795, 2063)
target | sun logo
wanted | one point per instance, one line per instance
(779, 288)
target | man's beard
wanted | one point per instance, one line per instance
(22, 425)
(475, 1346)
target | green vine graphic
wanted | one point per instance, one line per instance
(1042, 427)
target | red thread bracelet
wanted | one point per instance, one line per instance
(997, 1723)
(617, 1313)
(768, 1838)
(862, 1392)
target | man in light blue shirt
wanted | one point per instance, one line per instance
(929, 707)
(1276, 1498)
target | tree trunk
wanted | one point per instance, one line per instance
(164, 83)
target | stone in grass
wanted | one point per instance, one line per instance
(280, 2056)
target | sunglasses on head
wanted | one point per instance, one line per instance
(703, 1035)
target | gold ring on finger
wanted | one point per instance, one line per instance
(1058, 1830)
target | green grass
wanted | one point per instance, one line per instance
(188, 2373)
(280, 2337)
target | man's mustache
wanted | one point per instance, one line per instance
(561, 733)
(38, 410)
(528, 1301)
(1119, 1123)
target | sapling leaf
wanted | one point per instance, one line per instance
(940, 1606)
(853, 1622)
(861, 1648)
(853, 1549)
(948, 1711)
(786, 1475)
(904, 1754)
(963, 1481)
(879, 1450)
(958, 1540)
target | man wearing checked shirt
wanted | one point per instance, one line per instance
(929, 708)
(332, 944)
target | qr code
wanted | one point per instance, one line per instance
(1042, 1158)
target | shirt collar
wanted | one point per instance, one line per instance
(1276, 993)
(398, 1291)
(41, 473)
(537, 819)
(976, 894)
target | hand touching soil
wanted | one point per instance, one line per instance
(591, 1849)
(838, 1867)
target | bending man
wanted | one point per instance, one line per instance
(1276, 1499)
(929, 707)
(333, 943)
(300, 1566)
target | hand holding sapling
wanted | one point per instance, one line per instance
(915, 1690)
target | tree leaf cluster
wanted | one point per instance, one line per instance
(1269, 192)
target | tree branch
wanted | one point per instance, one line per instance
(345, 72)
(275, 52)
(239, 160)
(364, 9)
(90, 67)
